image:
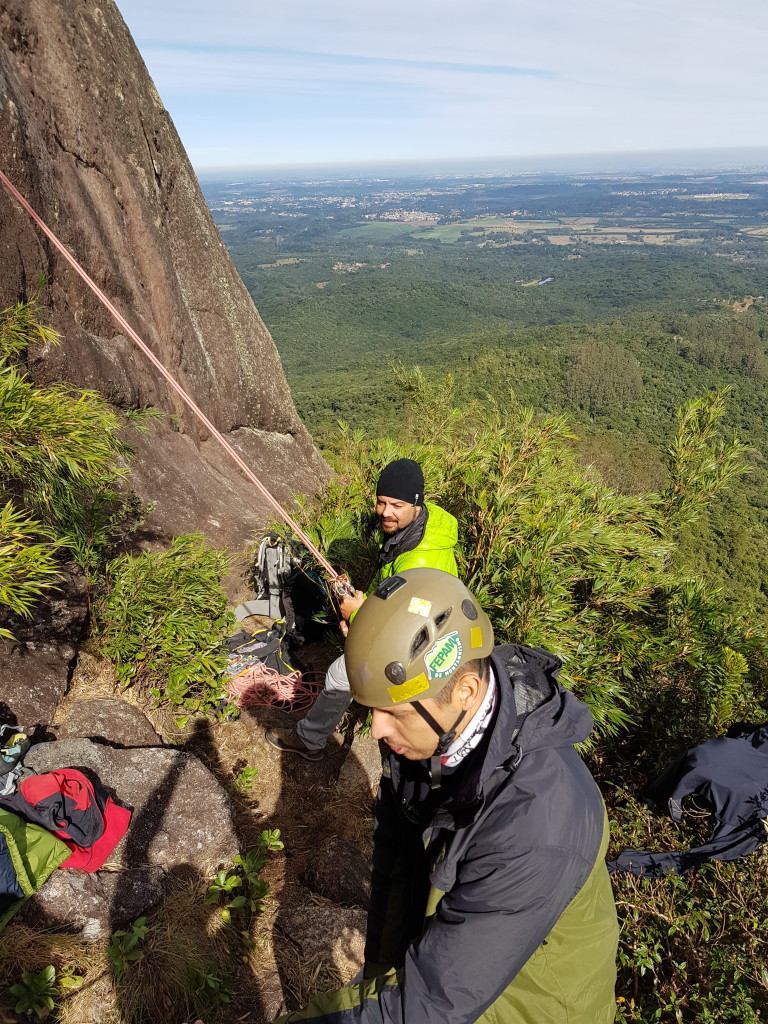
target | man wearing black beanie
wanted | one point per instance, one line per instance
(416, 534)
(403, 480)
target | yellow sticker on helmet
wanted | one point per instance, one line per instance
(476, 637)
(420, 606)
(409, 689)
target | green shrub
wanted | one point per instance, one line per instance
(125, 946)
(35, 992)
(163, 621)
(692, 949)
(241, 887)
(28, 563)
(562, 561)
(61, 456)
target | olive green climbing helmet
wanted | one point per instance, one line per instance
(411, 635)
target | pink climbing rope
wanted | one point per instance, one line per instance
(266, 686)
(171, 380)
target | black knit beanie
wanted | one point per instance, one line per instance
(403, 480)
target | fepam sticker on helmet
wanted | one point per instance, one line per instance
(420, 606)
(444, 656)
(476, 637)
(410, 688)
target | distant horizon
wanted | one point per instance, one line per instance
(737, 159)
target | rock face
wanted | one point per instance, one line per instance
(93, 905)
(85, 138)
(108, 720)
(325, 934)
(182, 821)
(35, 666)
(340, 873)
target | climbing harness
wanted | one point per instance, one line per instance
(269, 646)
(339, 581)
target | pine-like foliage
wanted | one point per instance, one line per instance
(60, 459)
(28, 563)
(561, 561)
(164, 619)
(60, 450)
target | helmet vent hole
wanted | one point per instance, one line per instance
(442, 618)
(420, 641)
(469, 609)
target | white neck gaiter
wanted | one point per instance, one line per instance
(476, 727)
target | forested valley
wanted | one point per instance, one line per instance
(611, 300)
(580, 365)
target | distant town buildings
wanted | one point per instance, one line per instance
(406, 216)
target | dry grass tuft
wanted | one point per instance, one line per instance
(25, 949)
(187, 943)
(304, 976)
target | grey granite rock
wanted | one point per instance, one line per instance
(181, 814)
(35, 666)
(340, 873)
(108, 720)
(94, 905)
(87, 141)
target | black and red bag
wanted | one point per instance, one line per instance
(79, 812)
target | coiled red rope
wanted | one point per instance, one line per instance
(266, 686)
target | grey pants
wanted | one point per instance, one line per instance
(325, 714)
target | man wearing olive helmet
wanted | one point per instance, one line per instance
(490, 896)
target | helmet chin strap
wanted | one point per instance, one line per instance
(444, 741)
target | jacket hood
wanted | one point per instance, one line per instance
(534, 713)
(546, 715)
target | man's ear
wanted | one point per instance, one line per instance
(468, 689)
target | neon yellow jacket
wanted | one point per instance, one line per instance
(434, 551)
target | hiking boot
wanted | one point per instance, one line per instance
(286, 739)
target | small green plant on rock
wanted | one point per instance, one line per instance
(125, 947)
(210, 987)
(246, 778)
(69, 980)
(34, 994)
(245, 875)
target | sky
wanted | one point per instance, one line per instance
(279, 82)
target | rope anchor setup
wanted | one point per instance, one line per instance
(339, 581)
